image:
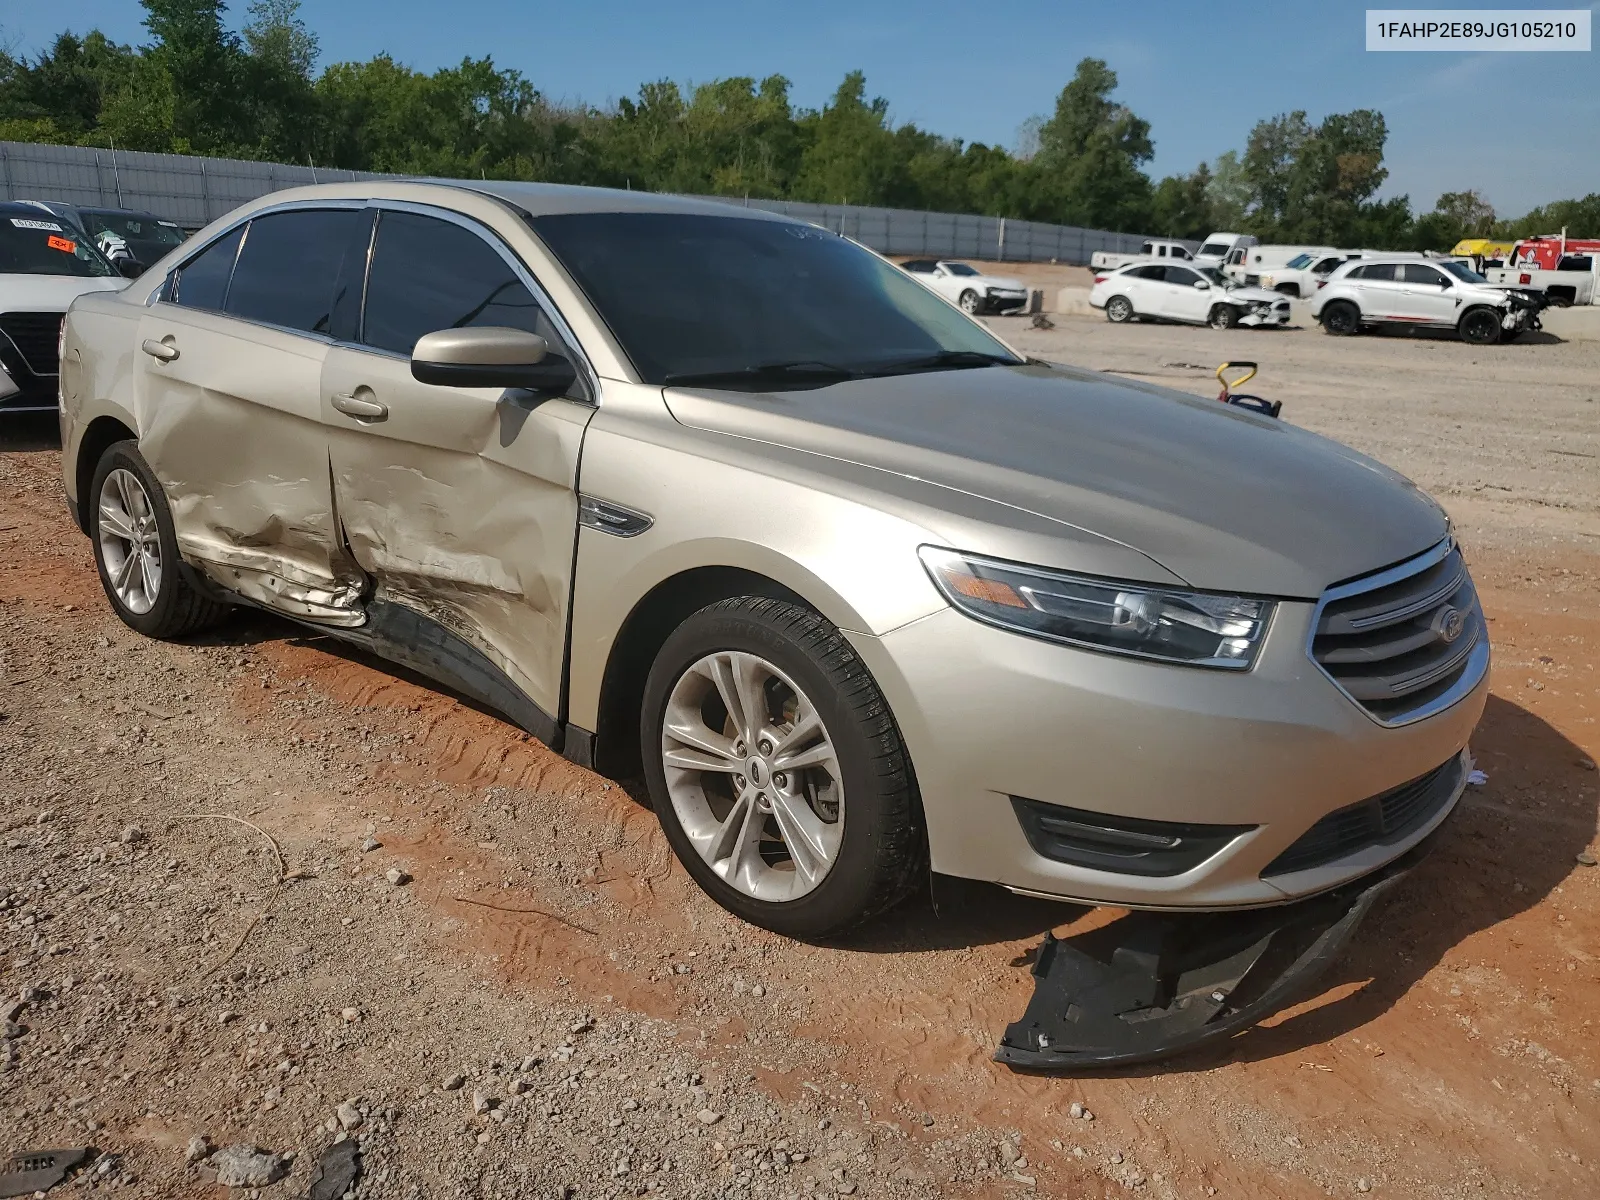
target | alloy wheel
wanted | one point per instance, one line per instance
(753, 776)
(130, 542)
(969, 303)
(1119, 309)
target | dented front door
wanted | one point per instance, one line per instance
(460, 503)
(229, 413)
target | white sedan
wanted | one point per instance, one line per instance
(968, 287)
(1195, 295)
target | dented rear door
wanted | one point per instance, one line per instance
(229, 399)
(460, 503)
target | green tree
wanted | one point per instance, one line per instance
(1090, 152)
(1181, 205)
(849, 150)
(1228, 192)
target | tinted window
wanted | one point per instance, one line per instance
(921, 266)
(1144, 247)
(429, 274)
(692, 293)
(1154, 271)
(1427, 276)
(1179, 252)
(1182, 276)
(288, 267)
(1214, 249)
(1326, 265)
(1376, 271)
(39, 245)
(956, 268)
(202, 282)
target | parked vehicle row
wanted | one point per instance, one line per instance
(859, 589)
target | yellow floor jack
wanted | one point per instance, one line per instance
(1256, 404)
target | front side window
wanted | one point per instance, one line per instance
(202, 282)
(43, 246)
(1425, 276)
(1182, 276)
(1463, 272)
(694, 294)
(428, 274)
(288, 267)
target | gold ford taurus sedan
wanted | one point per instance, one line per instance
(709, 494)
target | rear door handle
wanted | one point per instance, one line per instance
(163, 351)
(361, 408)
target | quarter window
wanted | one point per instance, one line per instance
(429, 274)
(202, 282)
(288, 267)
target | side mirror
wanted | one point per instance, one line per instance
(130, 268)
(490, 356)
(1202, 285)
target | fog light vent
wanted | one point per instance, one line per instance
(1123, 845)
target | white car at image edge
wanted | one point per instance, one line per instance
(1191, 294)
(1411, 293)
(967, 287)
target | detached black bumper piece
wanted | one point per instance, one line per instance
(1152, 985)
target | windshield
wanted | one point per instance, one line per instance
(1463, 272)
(958, 268)
(30, 246)
(690, 294)
(1298, 261)
(1214, 249)
(147, 237)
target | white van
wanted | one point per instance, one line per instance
(1218, 248)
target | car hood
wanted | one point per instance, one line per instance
(1224, 499)
(47, 293)
(1253, 294)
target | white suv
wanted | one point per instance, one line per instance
(1431, 295)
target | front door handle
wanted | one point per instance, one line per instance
(361, 408)
(162, 351)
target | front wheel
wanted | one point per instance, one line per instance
(777, 771)
(971, 303)
(1119, 310)
(1223, 316)
(1480, 327)
(136, 550)
(1341, 318)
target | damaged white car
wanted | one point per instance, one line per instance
(967, 287)
(1193, 295)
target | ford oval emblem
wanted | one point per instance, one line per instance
(1449, 623)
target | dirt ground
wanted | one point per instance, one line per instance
(545, 1006)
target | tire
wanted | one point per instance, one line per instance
(1119, 310)
(857, 803)
(126, 498)
(971, 303)
(1341, 318)
(1479, 327)
(1223, 316)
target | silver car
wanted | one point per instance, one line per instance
(724, 499)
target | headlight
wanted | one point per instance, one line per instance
(1198, 629)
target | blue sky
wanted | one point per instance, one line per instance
(1522, 128)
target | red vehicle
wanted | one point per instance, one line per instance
(1544, 253)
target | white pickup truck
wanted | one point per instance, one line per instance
(1576, 279)
(1105, 260)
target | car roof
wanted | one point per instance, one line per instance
(547, 199)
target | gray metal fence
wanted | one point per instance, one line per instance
(194, 191)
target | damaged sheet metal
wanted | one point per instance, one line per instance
(1152, 985)
(31, 1171)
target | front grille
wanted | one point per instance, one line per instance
(1405, 642)
(1380, 821)
(35, 335)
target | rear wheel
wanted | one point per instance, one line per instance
(1341, 318)
(136, 550)
(1223, 316)
(971, 303)
(1119, 310)
(776, 769)
(1480, 326)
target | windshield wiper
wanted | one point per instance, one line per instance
(946, 359)
(806, 371)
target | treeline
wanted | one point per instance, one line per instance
(199, 87)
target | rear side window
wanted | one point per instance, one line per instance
(429, 274)
(202, 282)
(288, 267)
(1374, 272)
(1153, 271)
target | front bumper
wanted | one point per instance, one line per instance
(1003, 302)
(1277, 314)
(988, 715)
